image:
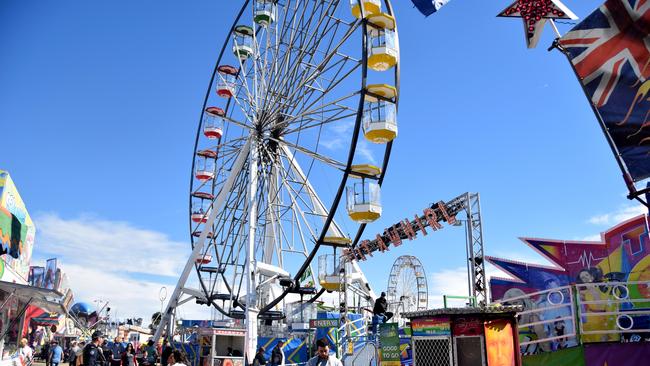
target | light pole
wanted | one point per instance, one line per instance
(162, 295)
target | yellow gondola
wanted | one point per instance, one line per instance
(382, 47)
(364, 201)
(380, 113)
(370, 7)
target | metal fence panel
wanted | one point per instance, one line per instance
(432, 351)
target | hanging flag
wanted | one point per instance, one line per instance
(610, 54)
(307, 279)
(428, 7)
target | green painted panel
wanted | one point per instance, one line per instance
(566, 357)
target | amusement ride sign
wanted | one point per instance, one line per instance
(431, 218)
(323, 323)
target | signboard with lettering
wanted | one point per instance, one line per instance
(389, 340)
(407, 230)
(431, 327)
(323, 323)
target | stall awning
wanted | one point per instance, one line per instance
(48, 300)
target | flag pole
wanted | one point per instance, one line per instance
(629, 182)
(557, 32)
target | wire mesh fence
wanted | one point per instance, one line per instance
(432, 351)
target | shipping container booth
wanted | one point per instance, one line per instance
(465, 336)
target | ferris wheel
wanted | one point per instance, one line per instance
(407, 286)
(301, 107)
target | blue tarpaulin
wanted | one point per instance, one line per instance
(428, 7)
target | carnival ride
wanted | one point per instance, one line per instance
(407, 287)
(298, 86)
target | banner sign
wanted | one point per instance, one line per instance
(610, 53)
(389, 340)
(37, 276)
(50, 274)
(431, 327)
(323, 323)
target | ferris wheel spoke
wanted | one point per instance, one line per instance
(317, 203)
(334, 84)
(333, 110)
(329, 161)
(288, 77)
(331, 53)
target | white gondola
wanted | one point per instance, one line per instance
(205, 165)
(370, 7)
(364, 201)
(243, 42)
(213, 123)
(226, 84)
(380, 114)
(382, 46)
(265, 12)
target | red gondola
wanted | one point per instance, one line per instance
(226, 84)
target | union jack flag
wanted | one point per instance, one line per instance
(610, 51)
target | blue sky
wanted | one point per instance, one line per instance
(99, 103)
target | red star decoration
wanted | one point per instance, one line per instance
(535, 13)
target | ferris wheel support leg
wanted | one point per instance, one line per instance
(251, 286)
(200, 243)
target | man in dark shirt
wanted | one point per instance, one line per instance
(92, 353)
(166, 352)
(381, 315)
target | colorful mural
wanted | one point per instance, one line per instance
(17, 230)
(601, 284)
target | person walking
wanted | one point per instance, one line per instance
(117, 348)
(26, 351)
(323, 357)
(277, 356)
(74, 349)
(128, 356)
(45, 353)
(166, 352)
(259, 359)
(150, 354)
(79, 358)
(108, 353)
(92, 354)
(56, 354)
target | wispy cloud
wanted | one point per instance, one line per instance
(115, 261)
(447, 282)
(363, 148)
(622, 214)
(337, 135)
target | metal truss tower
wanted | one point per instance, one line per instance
(474, 246)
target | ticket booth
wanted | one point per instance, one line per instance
(215, 345)
(465, 336)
